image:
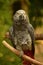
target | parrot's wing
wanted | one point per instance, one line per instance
(31, 32)
(11, 34)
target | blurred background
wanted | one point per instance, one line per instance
(34, 9)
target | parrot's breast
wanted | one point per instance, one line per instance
(24, 39)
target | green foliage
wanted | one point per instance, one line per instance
(6, 58)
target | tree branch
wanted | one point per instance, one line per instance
(37, 36)
(33, 61)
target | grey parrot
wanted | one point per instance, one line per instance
(22, 33)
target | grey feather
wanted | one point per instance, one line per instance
(22, 32)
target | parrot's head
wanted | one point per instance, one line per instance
(20, 18)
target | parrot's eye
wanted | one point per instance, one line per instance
(17, 23)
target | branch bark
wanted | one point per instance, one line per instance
(33, 61)
(37, 36)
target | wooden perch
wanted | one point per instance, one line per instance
(33, 61)
(37, 36)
